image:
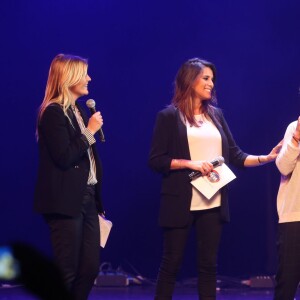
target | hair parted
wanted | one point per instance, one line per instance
(184, 93)
(65, 71)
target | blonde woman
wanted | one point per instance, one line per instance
(70, 174)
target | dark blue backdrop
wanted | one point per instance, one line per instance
(134, 49)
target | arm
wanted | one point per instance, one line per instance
(230, 149)
(258, 160)
(161, 159)
(198, 165)
(288, 156)
(64, 149)
(238, 157)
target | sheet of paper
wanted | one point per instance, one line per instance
(209, 185)
(105, 227)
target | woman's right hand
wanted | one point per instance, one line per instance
(95, 122)
(204, 166)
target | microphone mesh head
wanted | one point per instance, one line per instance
(90, 103)
(221, 160)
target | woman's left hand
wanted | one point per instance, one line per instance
(273, 154)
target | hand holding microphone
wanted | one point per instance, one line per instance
(96, 120)
(218, 161)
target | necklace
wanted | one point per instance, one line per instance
(200, 119)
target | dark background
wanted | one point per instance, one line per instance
(134, 49)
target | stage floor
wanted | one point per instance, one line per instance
(146, 293)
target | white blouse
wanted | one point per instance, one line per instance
(205, 143)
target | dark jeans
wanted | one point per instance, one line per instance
(208, 232)
(288, 273)
(76, 249)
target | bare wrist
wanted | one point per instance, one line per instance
(182, 163)
(176, 163)
(262, 159)
(259, 160)
(179, 163)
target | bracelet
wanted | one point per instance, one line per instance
(296, 139)
(259, 161)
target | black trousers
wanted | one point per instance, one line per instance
(208, 232)
(288, 273)
(75, 243)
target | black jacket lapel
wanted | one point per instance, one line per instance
(183, 141)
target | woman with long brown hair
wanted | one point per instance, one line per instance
(189, 134)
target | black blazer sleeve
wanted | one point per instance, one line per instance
(160, 156)
(64, 149)
(231, 151)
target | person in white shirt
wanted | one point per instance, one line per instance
(288, 208)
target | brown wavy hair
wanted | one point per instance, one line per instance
(184, 92)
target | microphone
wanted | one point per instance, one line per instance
(218, 161)
(91, 104)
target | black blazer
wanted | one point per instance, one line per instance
(63, 164)
(169, 142)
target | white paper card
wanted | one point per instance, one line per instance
(209, 185)
(105, 227)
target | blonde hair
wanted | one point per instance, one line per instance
(65, 71)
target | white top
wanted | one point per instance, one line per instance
(205, 144)
(288, 163)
